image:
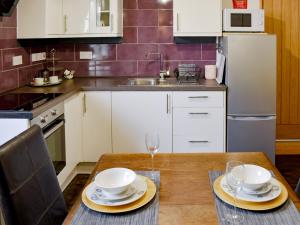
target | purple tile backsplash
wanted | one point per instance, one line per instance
(147, 28)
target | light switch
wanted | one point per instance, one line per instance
(17, 60)
(86, 55)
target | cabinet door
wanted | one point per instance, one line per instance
(96, 125)
(76, 16)
(108, 17)
(197, 18)
(54, 17)
(73, 128)
(136, 113)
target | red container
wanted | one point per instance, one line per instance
(240, 4)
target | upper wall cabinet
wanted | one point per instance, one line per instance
(196, 18)
(66, 18)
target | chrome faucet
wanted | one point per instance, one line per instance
(162, 73)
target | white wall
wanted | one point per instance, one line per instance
(252, 4)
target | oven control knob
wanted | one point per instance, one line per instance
(43, 119)
(53, 112)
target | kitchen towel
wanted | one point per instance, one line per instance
(147, 215)
(285, 215)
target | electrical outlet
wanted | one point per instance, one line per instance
(86, 55)
(17, 60)
(43, 55)
(34, 57)
(38, 56)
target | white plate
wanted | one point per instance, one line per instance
(140, 185)
(265, 189)
(102, 195)
(272, 194)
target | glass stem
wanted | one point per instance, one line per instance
(152, 165)
(235, 204)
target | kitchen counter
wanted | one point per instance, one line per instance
(71, 87)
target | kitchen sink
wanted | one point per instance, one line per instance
(143, 82)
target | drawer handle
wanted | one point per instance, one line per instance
(204, 114)
(193, 97)
(195, 142)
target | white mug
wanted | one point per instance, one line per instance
(39, 81)
(210, 72)
(53, 79)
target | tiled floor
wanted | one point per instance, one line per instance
(74, 189)
(288, 165)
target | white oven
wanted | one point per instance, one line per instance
(243, 20)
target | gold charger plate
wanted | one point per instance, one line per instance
(255, 206)
(148, 196)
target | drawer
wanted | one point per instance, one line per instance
(198, 121)
(183, 144)
(198, 99)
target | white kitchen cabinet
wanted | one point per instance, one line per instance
(73, 129)
(39, 18)
(198, 122)
(66, 18)
(136, 113)
(108, 19)
(73, 111)
(96, 125)
(197, 18)
(76, 16)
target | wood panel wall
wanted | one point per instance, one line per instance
(283, 19)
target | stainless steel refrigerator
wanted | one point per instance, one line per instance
(251, 79)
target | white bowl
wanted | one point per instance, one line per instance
(255, 177)
(115, 180)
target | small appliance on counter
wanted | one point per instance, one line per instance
(187, 73)
(243, 20)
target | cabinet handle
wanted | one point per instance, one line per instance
(193, 97)
(168, 104)
(204, 114)
(195, 142)
(84, 103)
(111, 23)
(177, 21)
(65, 23)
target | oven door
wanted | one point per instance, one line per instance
(54, 135)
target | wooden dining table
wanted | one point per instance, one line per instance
(185, 194)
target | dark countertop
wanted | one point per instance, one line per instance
(70, 87)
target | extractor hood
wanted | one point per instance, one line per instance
(7, 6)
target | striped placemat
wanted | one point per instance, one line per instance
(147, 215)
(285, 215)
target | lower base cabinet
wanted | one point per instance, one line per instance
(198, 122)
(99, 122)
(96, 125)
(136, 113)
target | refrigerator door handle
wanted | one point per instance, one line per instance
(251, 118)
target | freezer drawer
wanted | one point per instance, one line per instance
(251, 134)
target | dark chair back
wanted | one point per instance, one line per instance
(29, 189)
(297, 190)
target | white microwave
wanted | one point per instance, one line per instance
(244, 20)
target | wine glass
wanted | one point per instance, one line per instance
(152, 144)
(235, 173)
